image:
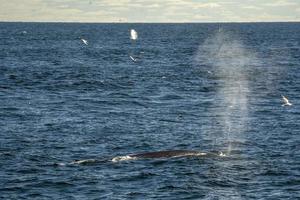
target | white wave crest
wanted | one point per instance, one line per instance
(83, 161)
(123, 158)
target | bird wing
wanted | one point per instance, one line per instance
(285, 99)
(132, 58)
(84, 41)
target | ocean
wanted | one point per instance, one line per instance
(67, 109)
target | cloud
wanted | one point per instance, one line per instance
(38, 10)
(252, 7)
(148, 10)
(281, 3)
(208, 5)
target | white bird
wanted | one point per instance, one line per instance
(133, 34)
(132, 58)
(222, 154)
(84, 41)
(286, 101)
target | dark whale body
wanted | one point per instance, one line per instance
(166, 154)
(154, 155)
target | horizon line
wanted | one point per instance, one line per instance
(121, 22)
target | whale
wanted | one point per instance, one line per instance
(168, 154)
(148, 155)
(165, 154)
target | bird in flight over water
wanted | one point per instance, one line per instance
(133, 34)
(286, 101)
(84, 41)
(133, 59)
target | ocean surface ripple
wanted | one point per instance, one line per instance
(67, 109)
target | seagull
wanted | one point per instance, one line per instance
(133, 34)
(84, 41)
(222, 154)
(133, 59)
(286, 101)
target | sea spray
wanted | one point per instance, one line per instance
(226, 57)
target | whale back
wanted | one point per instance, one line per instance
(166, 154)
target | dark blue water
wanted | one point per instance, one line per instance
(206, 87)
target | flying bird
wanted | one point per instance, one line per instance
(133, 34)
(286, 101)
(133, 59)
(84, 41)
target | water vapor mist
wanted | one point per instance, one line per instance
(227, 59)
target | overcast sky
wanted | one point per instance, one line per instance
(149, 10)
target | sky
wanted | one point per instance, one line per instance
(150, 10)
